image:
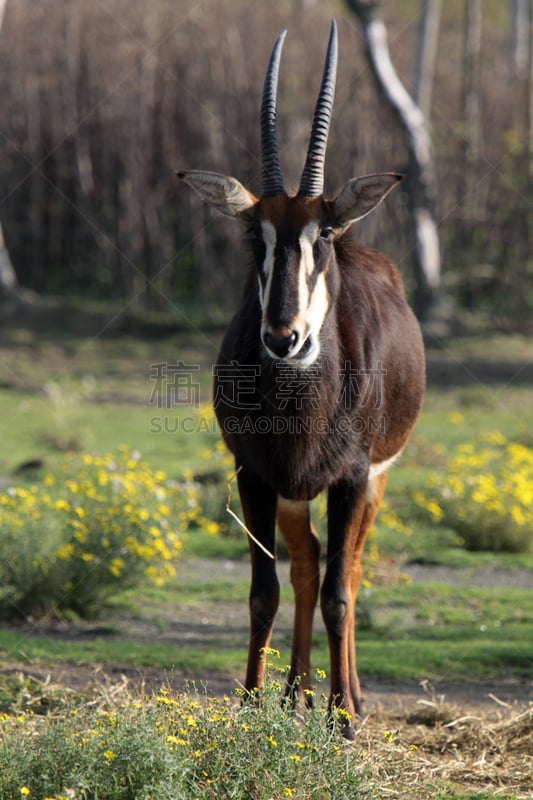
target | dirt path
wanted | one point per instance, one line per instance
(487, 699)
(203, 624)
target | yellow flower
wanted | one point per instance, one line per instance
(65, 551)
(176, 740)
(272, 741)
(61, 505)
(212, 528)
(24, 791)
(116, 566)
(456, 418)
(435, 510)
(518, 515)
(270, 651)
(287, 792)
(343, 713)
(109, 755)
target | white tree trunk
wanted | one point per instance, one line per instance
(471, 140)
(521, 11)
(421, 179)
(8, 279)
(426, 55)
(529, 127)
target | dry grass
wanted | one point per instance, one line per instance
(440, 745)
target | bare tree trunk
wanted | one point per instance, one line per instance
(521, 14)
(8, 279)
(529, 124)
(426, 55)
(421, 179)
(471, 141)
(468, 201)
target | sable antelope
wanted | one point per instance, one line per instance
(327, 365)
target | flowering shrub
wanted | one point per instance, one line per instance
(179, 745)
(486, 495)
(99, 525)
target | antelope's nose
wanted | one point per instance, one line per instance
(280, 343)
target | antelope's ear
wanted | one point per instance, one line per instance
(225, 194)
(360, 196)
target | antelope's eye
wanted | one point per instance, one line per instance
(326, 233)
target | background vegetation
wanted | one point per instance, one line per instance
(101, 107)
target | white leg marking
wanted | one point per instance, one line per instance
(292, 506)
(378, 469)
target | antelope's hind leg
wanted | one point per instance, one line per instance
(351, 513)
(304, 550)
(259, 508)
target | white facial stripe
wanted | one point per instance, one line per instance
(318, 306)
(312, 307)
(307, 239)
(307, 264)
(269, 238)
(303, 291)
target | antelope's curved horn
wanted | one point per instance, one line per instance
(271, 175)
(312, 182)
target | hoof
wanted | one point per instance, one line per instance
(348, 732)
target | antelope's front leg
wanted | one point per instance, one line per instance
(259, 508)
(346, 513)
(304, 551)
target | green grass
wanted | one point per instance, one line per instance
(61, 393)
(28, 420)
(34, 427)
(40, 422)
(43, 650)
(426, 630)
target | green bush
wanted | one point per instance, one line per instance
(485, 495)
(185, 746)
(101, 524)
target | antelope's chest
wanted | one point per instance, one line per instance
(295, 439)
